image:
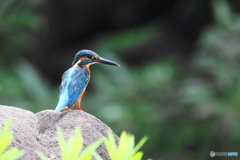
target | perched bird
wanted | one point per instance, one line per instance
(76, 78)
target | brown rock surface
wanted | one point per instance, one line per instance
(37, 132)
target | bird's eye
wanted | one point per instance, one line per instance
(90, 57)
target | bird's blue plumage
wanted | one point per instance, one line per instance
(75, 79)
(74, 82)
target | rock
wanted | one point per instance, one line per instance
(37, 132)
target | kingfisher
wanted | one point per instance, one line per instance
(76, 79)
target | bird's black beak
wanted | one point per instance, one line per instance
(106, 61)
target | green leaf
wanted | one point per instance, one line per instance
(41, 155)
(140, 144)
(71, 150)
(5, 136)
(126, 145)
(11, 154)
(222, 13)
(90, 150)
(5, 141)
(7, 126)
(137, 156)
(126, 149)
(63, 145)
(97, 156)
(111, 146)
(76, 144)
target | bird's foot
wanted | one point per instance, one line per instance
(68, 108)
(79, 108)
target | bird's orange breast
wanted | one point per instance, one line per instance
(87, 68)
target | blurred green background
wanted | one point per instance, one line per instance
(179, 80)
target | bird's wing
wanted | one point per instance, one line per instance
(74, 81)
(64, 82)
(77, 85)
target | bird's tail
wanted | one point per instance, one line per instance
(61, 103)
(59, 108)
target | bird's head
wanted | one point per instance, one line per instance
(88, 57)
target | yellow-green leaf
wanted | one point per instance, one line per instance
(77, 143)
(63, 145)
(11, 154)
(137, 156)
(5, 141)
(140, 144)
(90, 150)
(41, 155)
(111, 146)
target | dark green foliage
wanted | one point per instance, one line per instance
(184, 112)
(16, 24)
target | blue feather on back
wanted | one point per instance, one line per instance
(74, 81)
